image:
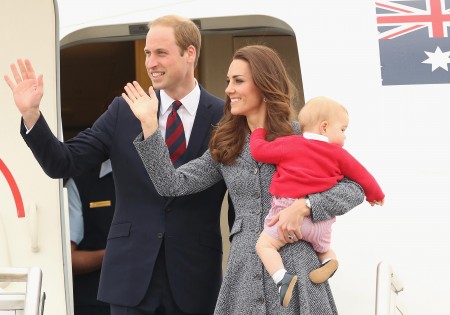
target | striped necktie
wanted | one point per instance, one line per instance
(175, 140)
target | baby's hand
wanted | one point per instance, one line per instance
(376, 202)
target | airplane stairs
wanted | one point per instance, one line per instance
(29, 301)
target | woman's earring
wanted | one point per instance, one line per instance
(264, 100)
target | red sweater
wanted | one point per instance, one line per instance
(309, 166)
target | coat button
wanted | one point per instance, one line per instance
(255, 171)
(168, 209)
(160, 235)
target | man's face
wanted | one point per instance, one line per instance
(167, 66)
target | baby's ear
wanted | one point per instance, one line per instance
(323, 127)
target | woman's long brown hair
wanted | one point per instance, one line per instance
(271, 78)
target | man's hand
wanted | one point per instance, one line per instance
(27, 90)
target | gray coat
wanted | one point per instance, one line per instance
(247, 288)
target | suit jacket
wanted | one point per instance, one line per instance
(189, 225)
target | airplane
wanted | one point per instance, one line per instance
(386, 61)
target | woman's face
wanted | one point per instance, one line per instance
(246, 98)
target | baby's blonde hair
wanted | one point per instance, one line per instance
(318, 109)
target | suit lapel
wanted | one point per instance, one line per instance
(158, 95)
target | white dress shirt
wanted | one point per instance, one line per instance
(186, 112)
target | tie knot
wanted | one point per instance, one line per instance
(176, 105)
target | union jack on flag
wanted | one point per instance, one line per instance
(414, 41)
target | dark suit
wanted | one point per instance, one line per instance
(188, 226)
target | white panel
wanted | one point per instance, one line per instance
(27, 30)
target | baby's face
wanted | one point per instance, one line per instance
(336, 129)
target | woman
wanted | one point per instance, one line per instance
(258, 94)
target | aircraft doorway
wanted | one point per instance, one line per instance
(93, 73)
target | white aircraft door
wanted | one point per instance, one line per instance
(32, 219)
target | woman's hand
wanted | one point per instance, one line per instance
(144, 106)
(290, 221)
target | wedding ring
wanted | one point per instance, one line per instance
(291, 236)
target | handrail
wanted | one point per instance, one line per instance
(388, 287)
(33, 294)
(32, 218)
(13, 274)
(30, 301)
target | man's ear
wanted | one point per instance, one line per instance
(192, 53)
(323, 127)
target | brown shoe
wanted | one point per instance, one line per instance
(324, 272)
(285, 288)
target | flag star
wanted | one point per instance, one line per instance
(438, 59)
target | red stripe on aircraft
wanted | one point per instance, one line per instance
(14, 189)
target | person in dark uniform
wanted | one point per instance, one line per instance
(91, 209)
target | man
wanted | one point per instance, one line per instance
(163, 255)
(91, 198)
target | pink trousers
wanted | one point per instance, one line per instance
(316, 233)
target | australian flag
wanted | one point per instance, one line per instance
(414, 41)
